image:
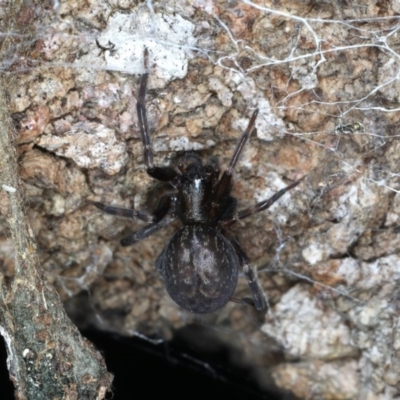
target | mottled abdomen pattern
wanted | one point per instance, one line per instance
(200, 268)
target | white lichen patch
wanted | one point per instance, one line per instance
(305, 73)
(385, 269)
(349, 269)
(268, 124)
(58, 205)
(316, 252)
(90, 145)
(273, 183)
(164, 35)
(181, 143)
(224, 93)
(8, 188)
(305, 328)
(343, 234)
(370, 314)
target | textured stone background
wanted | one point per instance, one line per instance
(325, 78)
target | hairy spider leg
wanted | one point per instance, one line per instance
(148, 230)
(261, 206)
(250, 273)
(161, 210)
(222, 188)
(244, 301)
(163, 215)
(123, 212)
(163, 174)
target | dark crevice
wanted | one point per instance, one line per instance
(176, 366)
(7, 388)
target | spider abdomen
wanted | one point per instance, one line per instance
(200, 268)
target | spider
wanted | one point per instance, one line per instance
(200, 263)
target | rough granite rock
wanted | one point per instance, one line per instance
(324, 76)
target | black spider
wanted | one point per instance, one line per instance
(200, 263)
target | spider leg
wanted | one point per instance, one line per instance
(147, 230)
(261, 206)
(245, 301)
(122, 212)
(163, 215)
(250, 273)
(223, 185)
(164, 174)
(161, 210)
